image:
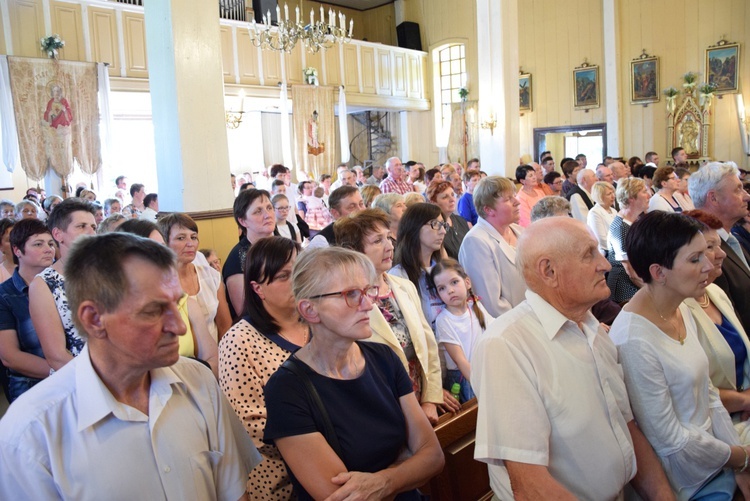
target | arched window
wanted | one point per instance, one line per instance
(450, 76)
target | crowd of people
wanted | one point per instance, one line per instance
(598, 316)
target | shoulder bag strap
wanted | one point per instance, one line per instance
(292, 365)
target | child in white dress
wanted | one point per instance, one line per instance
(459, 325)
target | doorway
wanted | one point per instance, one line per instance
(569, 141)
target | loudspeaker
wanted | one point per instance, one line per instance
(261, 7)
(408, 35)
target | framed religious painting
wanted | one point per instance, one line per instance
(723, 66)
(586, 87)
(644, 79)
(524, 92)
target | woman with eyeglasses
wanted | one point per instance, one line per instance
(398, 320)
(421, 233)
(364, 436)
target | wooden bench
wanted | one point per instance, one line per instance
(462, 478)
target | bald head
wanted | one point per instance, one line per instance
(619, 170)
(560, 261)
(586, 179)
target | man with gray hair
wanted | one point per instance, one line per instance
(554, 421)
(377, 175)
(394, 183)
(716, 188)
(551, 206)
(128, 418)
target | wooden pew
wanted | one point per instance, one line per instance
(462, 478)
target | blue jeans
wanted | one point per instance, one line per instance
(719, 488)
(455, 376)
(18, 385)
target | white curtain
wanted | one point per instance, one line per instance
(286, 143)
(343, 126)
(105, 123)
(8, 133)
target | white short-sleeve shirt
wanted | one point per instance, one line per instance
(69, 438)
(552, 394)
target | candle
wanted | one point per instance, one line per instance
(342, 21)
(278, 13)
(296, 12)
(252, 32)
(330, 17)
(322, 15)
(268, 18)
(286, 12)
(242, 100)
(312, 17)
(351, 27)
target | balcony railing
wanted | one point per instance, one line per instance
(233, 10)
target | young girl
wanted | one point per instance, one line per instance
(459, 325)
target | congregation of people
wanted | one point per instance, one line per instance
(598, 316)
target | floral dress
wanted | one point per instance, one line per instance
(73, 341)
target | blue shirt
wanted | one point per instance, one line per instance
(14, 315)
(466, 208)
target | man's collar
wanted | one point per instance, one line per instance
(552, 320)
(95, 401)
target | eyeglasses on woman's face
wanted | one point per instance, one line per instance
(283, 208)
(436, 224)
(353, 297)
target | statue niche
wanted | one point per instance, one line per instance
(687, 127)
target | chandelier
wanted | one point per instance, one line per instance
(315, 36)
(233, 118)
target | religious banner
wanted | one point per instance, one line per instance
(314, 129)
(463, 141)
(57, 115)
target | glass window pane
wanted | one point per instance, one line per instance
(463, 48)
(455, 51)
(445, 83)
(446, 96)
(445, 68)
(456, 81)
(455, 67)
(463, 65)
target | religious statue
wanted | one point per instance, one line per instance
(314, 146)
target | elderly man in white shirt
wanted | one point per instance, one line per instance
(580, 198)
(554, 420)
(128, 418)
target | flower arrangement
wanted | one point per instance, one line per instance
(706, 94)
(671, 94)
(51, 44)
(311, 75)
(690, 79)
(463, 93)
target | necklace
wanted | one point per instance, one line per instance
(704, 301)
(305, 338)
(680, 338)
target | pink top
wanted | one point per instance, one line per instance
(527, 202)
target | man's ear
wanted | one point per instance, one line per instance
(546, 271)
(90, 316)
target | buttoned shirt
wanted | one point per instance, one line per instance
(69, 438)
(389, 185)
(551, 393)
(14, 315)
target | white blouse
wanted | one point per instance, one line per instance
(599, 219)
(209, 281)
(673, 400)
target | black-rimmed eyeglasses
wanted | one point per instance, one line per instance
(353, 297)
(436, 225)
